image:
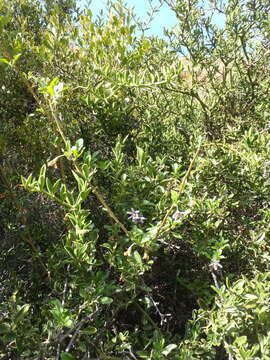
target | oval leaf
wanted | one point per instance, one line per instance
(106, 300)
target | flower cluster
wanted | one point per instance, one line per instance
(135, 216)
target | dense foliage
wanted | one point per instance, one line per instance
(134, 183)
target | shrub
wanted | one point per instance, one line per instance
(134, 180)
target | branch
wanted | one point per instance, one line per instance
(76, 329)
(181, 189)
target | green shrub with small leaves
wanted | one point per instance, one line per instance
(237, 325)
(134, 182)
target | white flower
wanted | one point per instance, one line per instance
(215, 265)
(178, 215)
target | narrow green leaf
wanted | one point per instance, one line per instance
(138, 258)
(85, 171)
(66, 356)
(28, 180)
(23, 180)
(78, 179)
(42, 175)
(22, 312)
(174, 196)
(56, 186)
(63, 192)
(140, 154)
(5, 61)
(16, 58)
(251, 296)
(49, 186)
(168, 349)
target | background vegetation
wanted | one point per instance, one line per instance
(134, 183)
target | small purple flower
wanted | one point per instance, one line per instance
(215, 265)
(135, 216)
(178, 215)
(22, 227)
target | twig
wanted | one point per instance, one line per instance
(138, 306)
(110, 212)
(217, 285)
(181, 189)
(65, 286)
(162, 316)
(131, 354)
(58, 352)
(77, 329)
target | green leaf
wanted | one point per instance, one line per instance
(67, 322)
(168, 349)
(16, 58)
(57, 303)
(106, 300)
(81, 231)
(90, 330)
(56, 186)
(63, 192)
(79, 144)
(49, 186)
(22, 312)
(137, 258)
(28, 180)
(85, 171)
(103, 164)
(251, 296)
(174, 196)
(54, 82)
(66, 356)
(5, 61)
(140, 155)
(78, 179)
(41, 179)
(241, 340)
(23, 181)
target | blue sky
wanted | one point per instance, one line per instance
(164, 18)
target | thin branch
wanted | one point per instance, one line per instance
(181, 189)
(138, 306)
(132, 354)
(110, 212)
(77, 329)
